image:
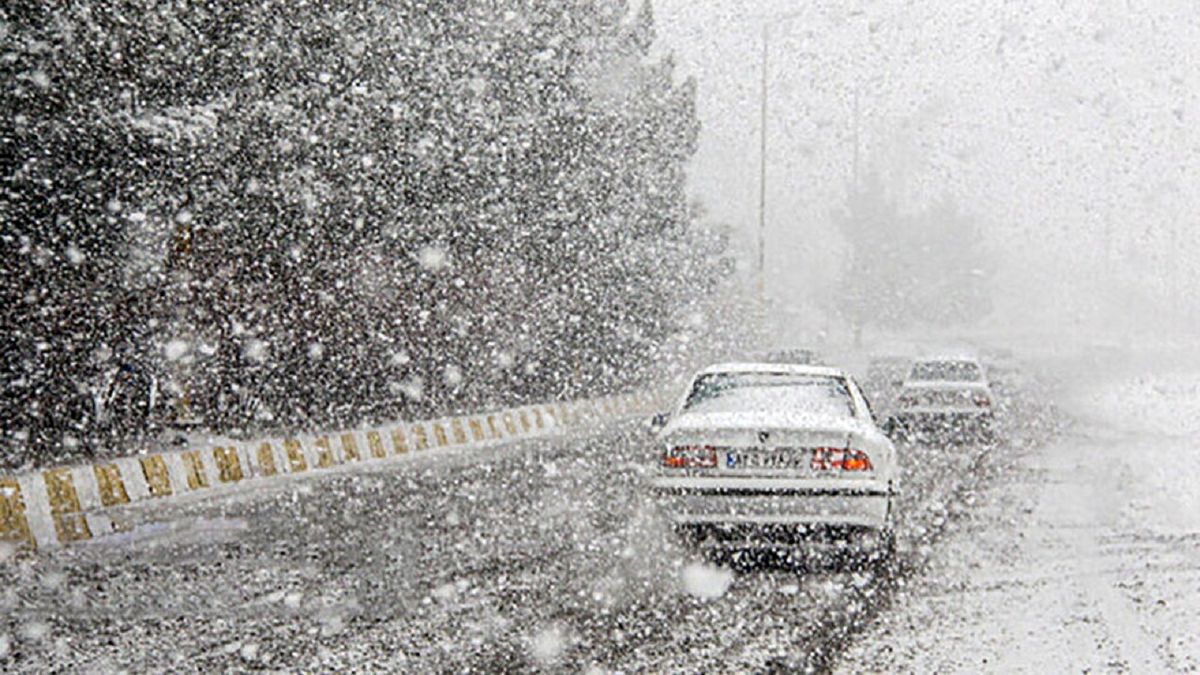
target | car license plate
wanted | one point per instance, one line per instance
(782, 458)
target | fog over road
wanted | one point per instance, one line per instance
(543, 554)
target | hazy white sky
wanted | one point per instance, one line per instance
(1065, 124)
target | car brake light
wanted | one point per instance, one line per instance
(856, 460)
(846, 459)
(690, 457)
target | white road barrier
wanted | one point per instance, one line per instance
(57, 506)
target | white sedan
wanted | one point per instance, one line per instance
(945, 397)
(770, 455)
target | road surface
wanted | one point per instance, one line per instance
(541, 555)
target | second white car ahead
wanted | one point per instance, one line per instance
(946, 398)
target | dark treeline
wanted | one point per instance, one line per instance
(926, 267)
(285, 214)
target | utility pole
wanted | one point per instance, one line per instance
(857, 118)
(1175, 271)
(768, 22)
(762, 170)
(762, 151)
(858, 322)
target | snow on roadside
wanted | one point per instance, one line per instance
(1161, 404)
(706, 581)
(1083, 559)
(191, 530)
(1158, 415)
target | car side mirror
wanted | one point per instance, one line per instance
(657, 422)
(889, 427)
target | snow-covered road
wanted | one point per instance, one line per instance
(544, 555)
(1086, 559)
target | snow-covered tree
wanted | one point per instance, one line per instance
(311, 212)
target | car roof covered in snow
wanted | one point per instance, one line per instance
(781, 368)
(977, 385)
(935, 357)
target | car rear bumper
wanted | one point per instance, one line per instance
(743, 536)
(945, 420)
(814, 505)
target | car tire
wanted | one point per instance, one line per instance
(883, 558)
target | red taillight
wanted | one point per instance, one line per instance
(856, 460)
(690, 457)
(982, 400)
(846, 459)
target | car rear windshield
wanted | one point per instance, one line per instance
(943, 397)
(759, 392)
(947, 371)
(798, 356)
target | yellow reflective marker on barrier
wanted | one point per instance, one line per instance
(350, 448)
(13, 524)
(109, 485)
(229, 466)
(456, 428)
(324, 453)
(295, 455)
(194, 466)
(266, 460)
(420, 441)
(65, 502)
(69, 522)
(375, 443)
(439, 436)
(154, 468)
(399, 443)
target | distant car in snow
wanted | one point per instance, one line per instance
(762, 455)
(797, 355)
(945, 398)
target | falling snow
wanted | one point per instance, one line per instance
(706, 582)
(224, 222)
